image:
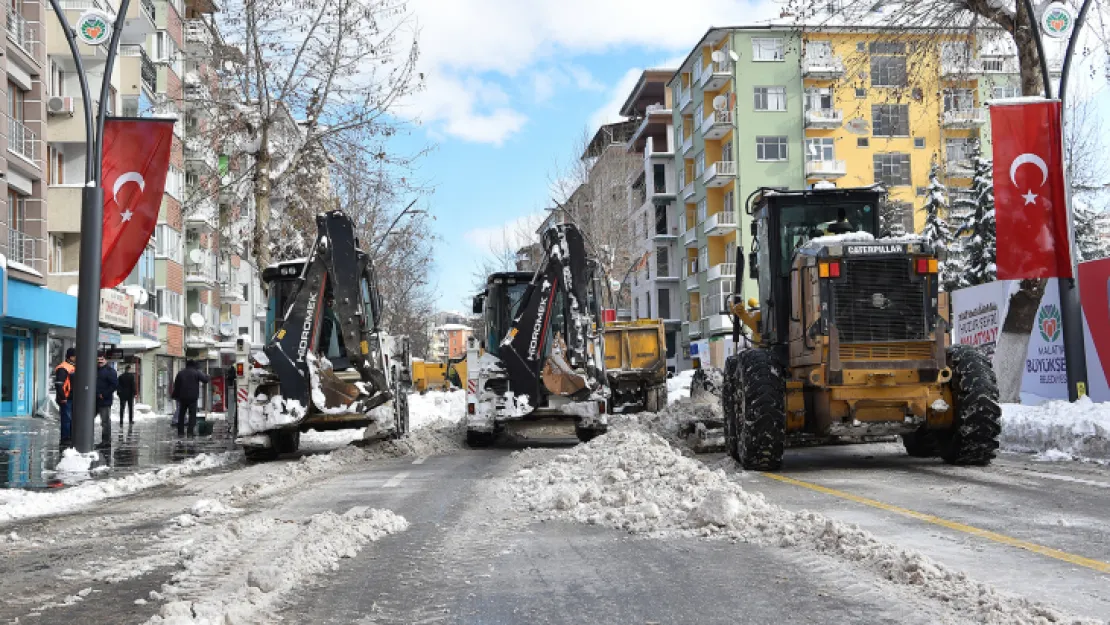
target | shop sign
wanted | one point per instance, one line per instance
(116, 309)
(146, 325)
(109, 336)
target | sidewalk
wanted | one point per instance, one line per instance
(29, 448)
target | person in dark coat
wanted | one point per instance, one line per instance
(63, 391)
(186, 390)
(106, 385)
(126, 392)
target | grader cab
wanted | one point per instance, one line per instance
(849, 339)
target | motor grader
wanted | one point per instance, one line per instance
(849, 339)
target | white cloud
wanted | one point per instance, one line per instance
(510, 235)
(511, 38)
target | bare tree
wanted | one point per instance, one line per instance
(1085, 156)
(336, 67)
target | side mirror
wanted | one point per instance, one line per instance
(754, 229)
(479, 302)
(753, 266)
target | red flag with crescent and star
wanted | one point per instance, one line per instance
(136, 159)
(1031, 212)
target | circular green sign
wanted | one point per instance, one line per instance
(94, 27)
(1057, 20)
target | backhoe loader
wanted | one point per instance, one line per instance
(849, 339)
(329, 364)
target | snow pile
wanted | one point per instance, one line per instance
(1057, 429)
(677, 421)
(243, 572)
(678, 387)
(635, 481)
(211, 507)
(436, 406)
(74, 462)
(19, 504)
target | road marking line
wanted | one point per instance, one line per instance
(1065, 478)
(1097, 565)
(396, 480)
(419, 461)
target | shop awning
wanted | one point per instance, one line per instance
(130, 342)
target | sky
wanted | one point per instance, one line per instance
(511, 85)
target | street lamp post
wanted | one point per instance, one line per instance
(389, 230)
(92, 224)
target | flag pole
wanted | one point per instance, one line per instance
(92, 232)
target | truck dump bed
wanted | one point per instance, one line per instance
(636, 363)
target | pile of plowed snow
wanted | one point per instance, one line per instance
(674, 421)
(1058, 430)
(636, 481)
(436, 406)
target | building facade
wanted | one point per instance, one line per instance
(786, 106)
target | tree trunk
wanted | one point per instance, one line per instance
(263, 159)
(1013, 341)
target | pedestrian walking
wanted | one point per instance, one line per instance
(106, 385)
(63, 392)
(186, 390)
(126, 392)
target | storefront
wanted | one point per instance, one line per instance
(30, 316)
(138, 351)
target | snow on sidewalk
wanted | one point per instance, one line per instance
(21, 504)
(1058, 430)
(636, 481)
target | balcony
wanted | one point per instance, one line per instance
(824, 119)
(139, 22)
(687, 144)
(957, 66)
(964, 118)
(826, 169)
(694, 328)
(690, 237)
(713, 305)
(24, 248)
(717, 125)
(822, 67)
(685, 100)
(201, 214)
(719, 174)
(715, 75)
(22, 33)
(721, 223)
(200, 157)
(716, 324)
(650, 150)
(231, 291)
(664, 275)
(665, 234)
(198, 36)
(721, 270)
(691, 282)
(688, 191)
(959, 168)
(148, 72)
(200, 268)
(22, 141)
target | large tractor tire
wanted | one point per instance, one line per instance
(920, 444)
(586, 435)
(977, 419)
(759, 411)
(728, 405)
(478, 439)
(401, 414)
(260, 454)
(286, 441)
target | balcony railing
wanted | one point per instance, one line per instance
(202, 272)
(720, 222)
(688, 144)
(21, 32)
(826, 169)
(967, 117)
(714, 72)
(712, 305)
(822, 67)
(23, 248)
(824, 118)
(148, 72)
(717, 174)
(148, 8)
(722, 270)
(716, 118)
(85, 5)
(22, 141)
(685, 98)
(691, 282)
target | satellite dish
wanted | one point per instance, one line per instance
(135, 292)
(196, 320)
(732, 55)
(144, 297)
(72, 291)
(717, 56)
(226, 329)
(196, 255)
(720, 103)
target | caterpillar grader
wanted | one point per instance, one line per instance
(849, 339)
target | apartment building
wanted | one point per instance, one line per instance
(653, 207)
(788, 106)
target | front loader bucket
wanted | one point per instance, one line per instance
(338, 393)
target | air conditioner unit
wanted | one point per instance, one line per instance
(58, 105)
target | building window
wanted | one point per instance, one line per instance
(662, 263)
(703, 258)
(699, 114)
(820, 149)
(919, 143)
(957, 150)
(863, 142)
(167, 243)
(636, 306)
(726, 151)
(57, 80)
(664, 303)
(888, 64)
(890, 120)
(819, 99)
(861, 46)
(892, 170)
(861, 92)
(767, 49)
(699, 163)
(1011, 91)
(170, 305)
(770, 98)
(994, 63)
(959, 99)
(728, 200)
(57, 254)
(770, 148)
(703, 205)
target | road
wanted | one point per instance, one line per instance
(469, 556)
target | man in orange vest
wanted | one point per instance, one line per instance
(63, 388)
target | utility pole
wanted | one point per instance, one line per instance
(95, 26)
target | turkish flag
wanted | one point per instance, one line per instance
(1031, 211)
(135, 159)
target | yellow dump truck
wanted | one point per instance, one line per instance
(438, 376)
(636, 365)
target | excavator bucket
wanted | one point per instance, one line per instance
(338, 393)
(558, 377)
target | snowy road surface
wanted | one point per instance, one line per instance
(430, 532)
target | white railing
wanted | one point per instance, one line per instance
(198, 150)
(827, 168)
(723, 219)
(21, 32)
(722, 270)
(692, 282)
(690, 237)
(822, 117)
(688, 190)
(720, 168)
(22, 247)
(959, 65)
(823, 65)
(712, 68)
(715, 323)
(685, 97)
(688, 144)
(716, 117)
(204, 271)
(21, 140)
(968, 116)
(85, 5)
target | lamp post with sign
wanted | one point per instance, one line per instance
(1058, 21)
(94, 27)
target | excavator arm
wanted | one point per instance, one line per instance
(335, 269)
(547, 343)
